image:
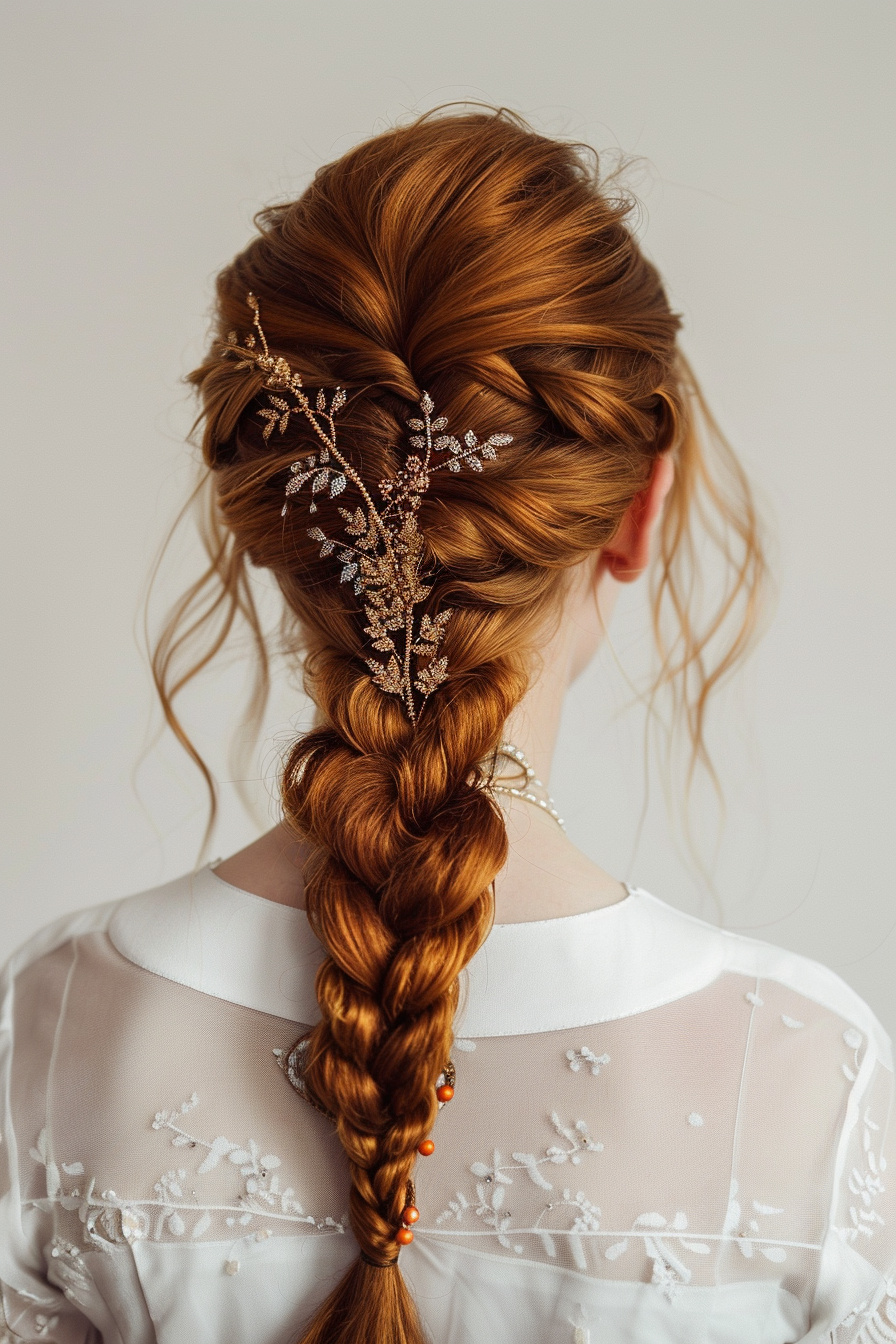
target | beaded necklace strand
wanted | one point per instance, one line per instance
(546, 803)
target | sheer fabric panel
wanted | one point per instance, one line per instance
(713, 1165)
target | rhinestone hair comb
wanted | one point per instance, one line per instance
(383, 557)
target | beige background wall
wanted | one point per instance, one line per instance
(138, 141)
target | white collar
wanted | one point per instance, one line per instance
(541, 976)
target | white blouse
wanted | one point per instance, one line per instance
(662, 1133)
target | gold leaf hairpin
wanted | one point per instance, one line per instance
(384, 558)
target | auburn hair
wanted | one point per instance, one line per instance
(469, 257)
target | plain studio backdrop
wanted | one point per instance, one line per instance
(139, 141)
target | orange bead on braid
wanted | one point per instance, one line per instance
(393, 976)
(470, 257)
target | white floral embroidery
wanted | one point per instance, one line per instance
(108, 1218)
(34, 1318)
(669, 1272)
(855, 1040)
(867, 1185)
(38, 1322)
(586, 1220)
(135, 1223)
(579, 1322)
(492, 1178)
(750, 1238)
(665, 1276)
(754, 999)
(69, 1270)
(793, 1022)
(878, 1319)
(574, 1218)
(585, 1056)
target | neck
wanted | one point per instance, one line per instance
(535, 722)
(545, 875)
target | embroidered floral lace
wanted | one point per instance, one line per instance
(661, 1132)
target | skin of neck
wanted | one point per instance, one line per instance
(546, 875)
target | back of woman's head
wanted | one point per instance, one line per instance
(466, 257)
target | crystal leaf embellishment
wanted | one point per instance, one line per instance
(384, 559)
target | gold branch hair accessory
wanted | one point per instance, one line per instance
(384, 557)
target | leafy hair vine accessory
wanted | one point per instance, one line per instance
(384, 558)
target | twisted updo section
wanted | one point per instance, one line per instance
(466, 256)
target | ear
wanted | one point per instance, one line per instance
(627, 555)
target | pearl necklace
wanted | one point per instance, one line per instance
(513, 753)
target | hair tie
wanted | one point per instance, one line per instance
(379, 1264)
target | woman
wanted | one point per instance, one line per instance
(411, 1066)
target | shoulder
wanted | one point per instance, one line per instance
(56, 935)
(143, 914)
(804, 977)
(152, 914)
(199, 932)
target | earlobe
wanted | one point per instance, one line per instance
(628, 554)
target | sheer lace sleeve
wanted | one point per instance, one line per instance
(856, 1295)
(37, 1276)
